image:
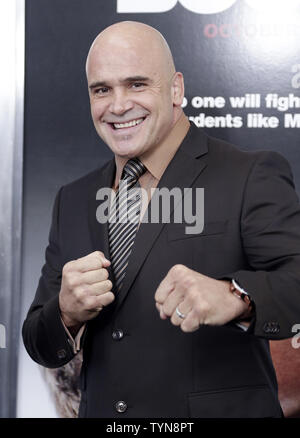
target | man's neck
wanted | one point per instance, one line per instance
(158, 158)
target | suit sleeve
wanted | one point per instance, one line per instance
(270, 230)
(44, 336)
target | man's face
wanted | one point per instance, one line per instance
(131, 96)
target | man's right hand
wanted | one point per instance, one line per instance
(85, 289)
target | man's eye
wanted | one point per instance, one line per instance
(138, 85)
(102, 90)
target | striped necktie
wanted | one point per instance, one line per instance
(124, 218)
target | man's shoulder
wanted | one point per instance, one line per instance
(225, 157)
(225, 148)
(229, 152)
(201, 142)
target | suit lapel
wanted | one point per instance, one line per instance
(99, 232)
(188, 162)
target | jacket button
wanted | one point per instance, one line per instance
(121, 406)
(271, 327)
(61, 354)
(117, 335)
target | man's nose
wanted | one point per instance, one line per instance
(120, 102)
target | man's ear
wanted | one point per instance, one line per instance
(177, 89)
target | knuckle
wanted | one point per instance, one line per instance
(166, 309)
(108, 284)
(193, 296)
(158, 297)
(71, 281)
(190, 324)
(202, 308)
(186, 328)
(106, 299)
(89, 303)
(173, 320)
(80, 293)
(110, 297)
(104, 273)
(189, 281)
(178, 270)
(68, 267)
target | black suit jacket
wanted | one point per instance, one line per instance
(251, 233)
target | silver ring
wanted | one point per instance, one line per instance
(181, 315)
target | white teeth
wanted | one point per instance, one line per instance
(128, 124)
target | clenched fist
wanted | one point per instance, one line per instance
(191, 299)
(85, 289)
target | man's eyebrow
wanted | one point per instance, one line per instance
(123, 81)
(97, 84)
(136, 79)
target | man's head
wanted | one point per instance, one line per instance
(135, 92)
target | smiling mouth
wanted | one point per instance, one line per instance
(129, 124)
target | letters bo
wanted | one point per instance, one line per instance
(197, 6)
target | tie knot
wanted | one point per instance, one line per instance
(133, 169)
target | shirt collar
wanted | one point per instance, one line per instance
(157, 160)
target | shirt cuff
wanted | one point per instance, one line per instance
(244, 326)
(74, 342)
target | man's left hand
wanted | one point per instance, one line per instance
(199, 299)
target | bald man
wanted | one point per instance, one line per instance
(171, 323)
